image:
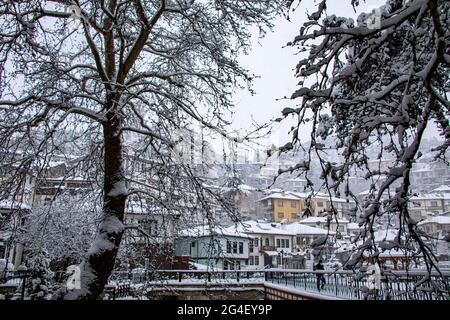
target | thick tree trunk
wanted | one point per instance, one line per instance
(99, 261)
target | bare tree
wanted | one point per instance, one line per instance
(377, 82)
(98, 74)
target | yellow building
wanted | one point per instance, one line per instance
(295, 206)
(283, 206)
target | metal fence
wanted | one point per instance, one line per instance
(395, 285)
(13, 283)
(187, 275)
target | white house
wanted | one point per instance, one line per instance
(436, 226)
(305, 235)
(146, 221)
(214, 247)
(442, 189)
(12, 217)
(430, 204)
(269, 243)
(321, 222)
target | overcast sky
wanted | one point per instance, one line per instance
(275, 66)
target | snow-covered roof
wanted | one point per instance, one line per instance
(346, 247)
(208, 231)
(291, 195)
(296, 180)
(302, 229)
(393, 253)
(8, 204)
(385, 235)
(68, 179)
(254, 227)
(367, 192)
(353, 226)
(322, 220)
(280, 195)
(246, 187)
(442, 188)
(397, 253)
(437, 220)
(319, 196)
(380, 160)
(431, 196)
(204, 267)
(142, 208)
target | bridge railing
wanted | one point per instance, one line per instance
(395, 285)
(188, 275)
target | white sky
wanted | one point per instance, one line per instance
(275, 66)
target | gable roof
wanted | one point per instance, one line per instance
(437, 220)
(442, 188)
(302, 229)
(216, 231)
(254, 227)
(322, 220)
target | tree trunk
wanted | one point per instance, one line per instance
(99, 261)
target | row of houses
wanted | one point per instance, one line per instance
(279, 205)
(293, 219)
(252, 244)
(433, 203)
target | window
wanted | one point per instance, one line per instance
(250, 246)
(256, 260)
(267, 242)
(250, 260)
(151, 226)
(293, 204)
(280, 215)
(225, 265)
(193, 244)
(434, 203)
(228, 246)
(283, 243)
(47, 201)
(235, 247)
(2, 251)
(320, 204)
(280, 203)
(241, 247)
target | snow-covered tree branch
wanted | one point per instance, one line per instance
(374, 85)
(113, 71)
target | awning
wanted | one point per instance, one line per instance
(271, 253)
